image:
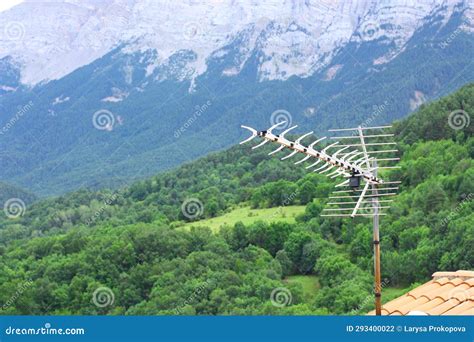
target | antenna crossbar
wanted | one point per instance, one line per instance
(356, 128)
(331, 160)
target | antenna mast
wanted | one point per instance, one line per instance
(358, 162)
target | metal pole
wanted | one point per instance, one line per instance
(376, 241)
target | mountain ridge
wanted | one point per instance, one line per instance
(58, 145)
(295, 38)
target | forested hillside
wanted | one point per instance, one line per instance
(132, 246)
(8, 191)
(125, 116)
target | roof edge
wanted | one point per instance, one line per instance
(464, 274)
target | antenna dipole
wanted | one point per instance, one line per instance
(331, 160)
(358, 161)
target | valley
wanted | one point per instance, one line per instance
(233, 232)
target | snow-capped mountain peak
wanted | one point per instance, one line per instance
(291, 37)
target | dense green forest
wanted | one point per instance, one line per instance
(130, 252)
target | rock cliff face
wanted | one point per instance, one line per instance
(290, 37)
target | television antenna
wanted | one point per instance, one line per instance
(364, 192)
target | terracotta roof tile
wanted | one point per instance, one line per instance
(413, 305)
(391, 306)
(461, 309)
(470, 282)
(443, 307)
(431, 285)
(448, 293)
(431, 304)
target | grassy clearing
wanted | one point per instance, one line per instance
(247, 216)
(309, 283)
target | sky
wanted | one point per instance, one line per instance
(6, 4)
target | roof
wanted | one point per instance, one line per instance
(448, 293)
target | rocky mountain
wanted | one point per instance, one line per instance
(99, 93)
(293, 37)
